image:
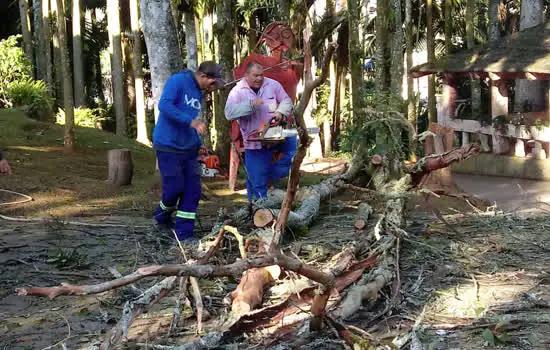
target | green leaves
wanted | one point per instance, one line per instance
(489, 337)
(14, 66)
(31, 96)
(497, 336)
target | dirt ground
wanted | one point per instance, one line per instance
(471, 277)
(475, 280)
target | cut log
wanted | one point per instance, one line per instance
(364, 211)
(360, 224)
(263, 218)
(250, 291)
(121, 168)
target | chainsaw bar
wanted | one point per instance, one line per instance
(278, 134)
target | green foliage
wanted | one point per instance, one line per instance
(85, 117)
(32, 97)
(68, 259)
(14, 66)
(322, 113)
(381, 128)
(500, 124)
(17, 87)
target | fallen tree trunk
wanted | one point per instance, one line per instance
(266, 214)
(438, 161)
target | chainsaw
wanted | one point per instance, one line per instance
(273, 132)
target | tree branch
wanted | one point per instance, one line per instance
(235, 270)
(310, 86)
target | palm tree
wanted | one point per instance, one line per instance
(78, 59)
(113, 15)
(46, 38)
(141, 120)
(355, 54)
(397, 49)
(432, 112)
(68, 100)
(26, 28)
(381, 68)
(162, 46)
(224, 37)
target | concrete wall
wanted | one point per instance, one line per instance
(499, 165)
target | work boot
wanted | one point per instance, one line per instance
(163, 219)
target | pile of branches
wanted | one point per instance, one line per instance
(331, 294)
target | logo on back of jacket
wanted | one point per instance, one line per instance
(193, 102)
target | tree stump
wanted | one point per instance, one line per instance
(121, 168)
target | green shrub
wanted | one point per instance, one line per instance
(14, 66)
(31, 96)
(85, 117)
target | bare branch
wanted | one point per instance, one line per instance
(293, 180)
(235, 270)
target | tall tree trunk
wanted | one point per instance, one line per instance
(38, 39)
(129, 74)
(161, 41)
(98, 76)
(327, 128)
(475, 87)
(381, 24)
(58, 81)
(224, 36)
(78, 59)
(397, 50)
(200, 37)
(46, 39)
(411, 105)
(191, 38)
(448, 10)
(141, 120)
(355, 54)
(283, 10)
(530, 95)
(482, 19)
(494, 27)
(430, 40)
(68, 101)
(113, 19)
(177, 16)
(26, 28)
(212, 44)
(339, 87)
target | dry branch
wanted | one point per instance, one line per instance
(133, 309)
(193, 270)
(310, 86)
(370, 286)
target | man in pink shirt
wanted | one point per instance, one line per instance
(254, 101)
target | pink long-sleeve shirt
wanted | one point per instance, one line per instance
(239, 106)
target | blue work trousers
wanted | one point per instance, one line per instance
(181, 191)
(260, 168)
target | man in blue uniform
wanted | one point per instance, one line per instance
(176, 141)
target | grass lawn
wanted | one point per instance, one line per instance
(64, 184)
